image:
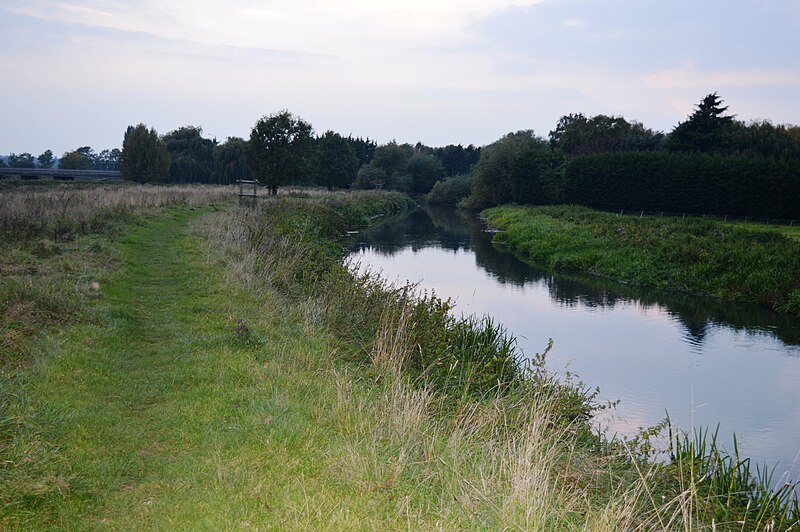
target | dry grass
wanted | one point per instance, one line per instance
(61, 211)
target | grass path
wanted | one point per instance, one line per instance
(174, 420)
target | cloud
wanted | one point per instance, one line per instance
(687, 77)
(302, 25)
(573, 23)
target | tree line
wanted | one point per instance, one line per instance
(282, 149)
(710, 163)
(83, 158)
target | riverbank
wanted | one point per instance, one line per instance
(694, 255)
(229, 372)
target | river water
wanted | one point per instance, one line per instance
(704, 362)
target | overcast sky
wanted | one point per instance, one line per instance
(438, 72)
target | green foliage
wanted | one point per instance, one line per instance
(369, 177)
(707, 130)
(144, 156)
(691, 183)
(23, 160)
(280, 150)
(456, 159)
(692, 255)
(450, 191)
(363, 148)
(338, 162)
(76, 160)
(727, 488)
(516, 168)
(424, 171)
(108, 159)
(392, 158)
(191, 155)
(229, 162)
(575, 134)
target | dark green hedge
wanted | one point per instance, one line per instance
(691, 183)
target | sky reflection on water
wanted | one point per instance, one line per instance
(705, 362)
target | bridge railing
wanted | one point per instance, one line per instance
(58, 173)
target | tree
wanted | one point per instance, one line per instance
(392, 158)
(144, 156)
(707, 130)
(513, 169)
(457, 160)
(229, 163)
(424, 171)
(191, 155)
(108, 160)
(79, 159)
(46, 159)
(338, 163)
(575, 135)
(23, 160)
(363, 148)
(369, 177)
(280, 150)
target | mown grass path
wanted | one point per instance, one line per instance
(173, 420)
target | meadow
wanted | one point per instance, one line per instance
(197, 364)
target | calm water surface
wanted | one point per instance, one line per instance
(704, 362)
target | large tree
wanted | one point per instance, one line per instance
(280, 150)
(424, 171)
(338, 163)
(191, 155)
(108, 159)
(79, 159)
(46, 159)
(144, 156)
(576, 134)
(515, 168)
(23, 160)
(707, 130)
(229, 162)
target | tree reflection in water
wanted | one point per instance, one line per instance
(454, 229)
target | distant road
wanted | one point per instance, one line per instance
(57, 173)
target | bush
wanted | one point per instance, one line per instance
(450, 191)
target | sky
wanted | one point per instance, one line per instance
(432, 71)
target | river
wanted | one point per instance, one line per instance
(705, 362)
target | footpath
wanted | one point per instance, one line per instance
(189, 404)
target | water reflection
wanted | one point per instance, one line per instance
(455, 230)
(703, 361)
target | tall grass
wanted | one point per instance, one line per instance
(54, 248)
(443, 411)
(61, 211)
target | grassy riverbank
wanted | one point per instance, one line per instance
(221, 368)
(740, 263)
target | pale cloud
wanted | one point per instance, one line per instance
(687, 77)
(307, 26)
(573, 23)
(433, 71)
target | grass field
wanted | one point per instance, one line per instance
(206, 366)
